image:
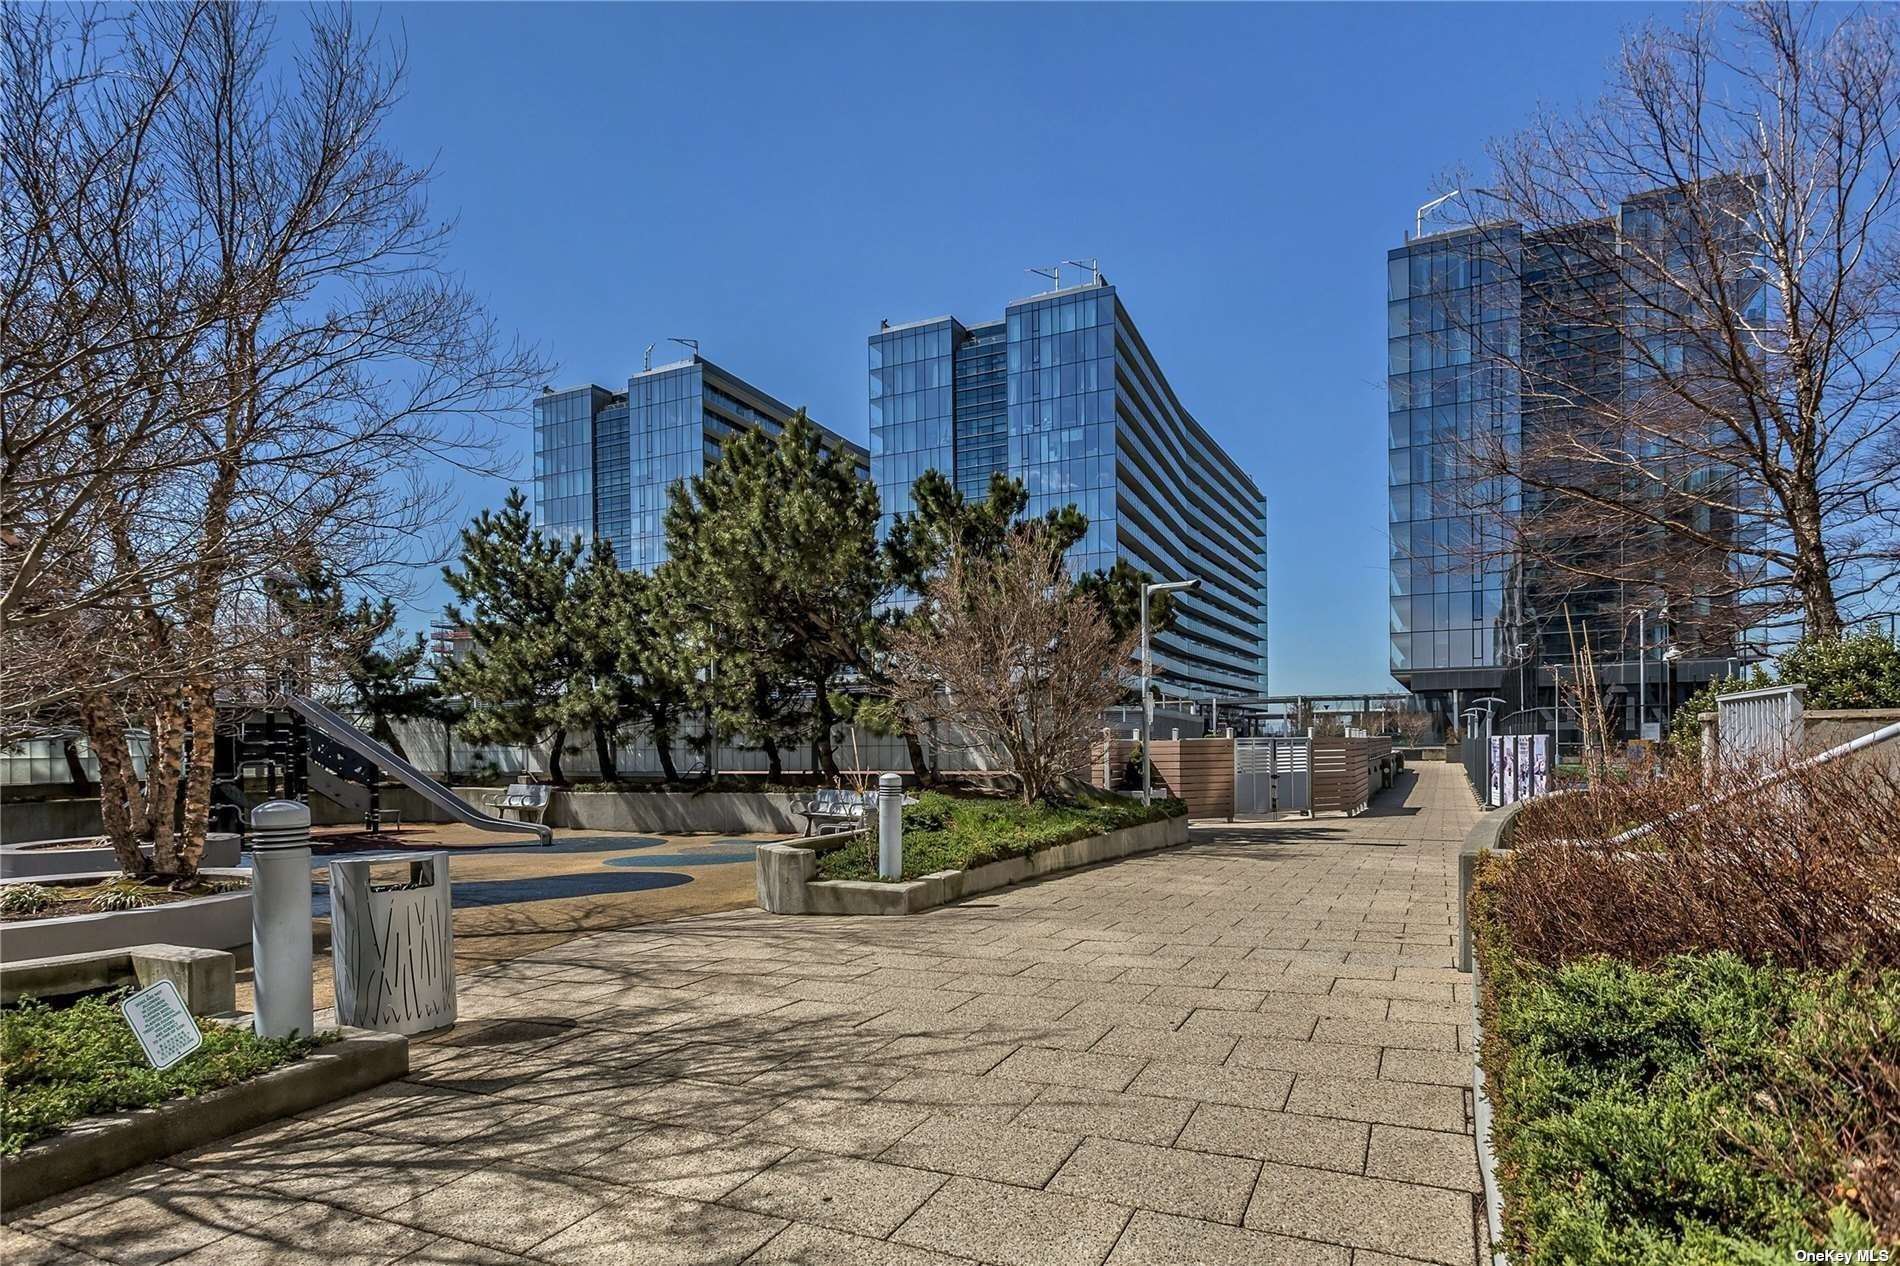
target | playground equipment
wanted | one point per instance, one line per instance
(314, 747)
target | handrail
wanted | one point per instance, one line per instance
(1865, 741)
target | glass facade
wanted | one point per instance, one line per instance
(606, 463)
(1449, 566)
(1064, 395)
(1467, 312)
(564, 460)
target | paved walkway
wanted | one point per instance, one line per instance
(1247, 1051)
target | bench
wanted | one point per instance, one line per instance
(836, 809)
(524, 798)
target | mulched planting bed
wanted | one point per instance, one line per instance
(25, 902)
(943, 832)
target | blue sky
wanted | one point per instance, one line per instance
(772, 180)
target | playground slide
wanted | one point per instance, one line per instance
(333, 726)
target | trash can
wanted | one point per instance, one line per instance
(392, 944)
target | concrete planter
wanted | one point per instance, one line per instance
(102, 1146)
(38, 860)
(788, 884)
(220, 921)
(206, 979)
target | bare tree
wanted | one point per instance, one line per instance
(1706, 352)
(1010, 652)
(313, 367)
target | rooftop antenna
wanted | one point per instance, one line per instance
(1093, 265)
(1053, 274)
(687, 342)
(646, 362)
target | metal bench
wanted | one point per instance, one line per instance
(524, 798)
(835, 809)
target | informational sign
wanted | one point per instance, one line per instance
(1520, 768)
(162, 1023)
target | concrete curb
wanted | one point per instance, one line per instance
(786, 883)
(221, 921)
(1494, 831)
(205, 978)
(35, 860)
(1481, 1126)
(100, 1147)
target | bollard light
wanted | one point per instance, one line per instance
(890, 826)
(280, 919)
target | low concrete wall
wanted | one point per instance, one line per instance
(1494, 831)
(787, 883)
(223, 849)
(23, 820)
(221, 921)
(637, 812)
(206, 979)
(102, 1146)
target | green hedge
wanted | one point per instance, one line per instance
(59, 1064)
(943, 832)
(1703, 1111)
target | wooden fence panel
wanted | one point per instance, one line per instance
(1199, 771)
(1341, 782)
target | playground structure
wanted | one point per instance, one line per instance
(298, 745)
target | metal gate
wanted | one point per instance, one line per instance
(1272, 775)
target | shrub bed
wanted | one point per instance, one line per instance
(943, 832)
(1693, 1050)
(61, 1064)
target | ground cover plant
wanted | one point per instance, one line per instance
(61, 1064)
(945, 832)
(1692, 1037)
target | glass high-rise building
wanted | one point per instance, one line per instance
(1063, 394)
(604, 461)
(1469, 312)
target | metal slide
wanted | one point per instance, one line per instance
(333, 726)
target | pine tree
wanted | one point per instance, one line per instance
(774, 549)
(514, 590)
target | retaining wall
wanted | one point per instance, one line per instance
(220, 921)
(788, 883)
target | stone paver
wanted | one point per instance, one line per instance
(1252, 1049)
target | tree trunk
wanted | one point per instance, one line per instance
(118, 784)
(919, 764)
(204, 741)
(822, 755)
(163, 772)
(604, 755)
(775, 767)
(383, 732)
(448, 751)
(661, 726)
(555, 775)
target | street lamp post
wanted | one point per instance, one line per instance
(1147, 673)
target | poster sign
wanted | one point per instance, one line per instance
(162, 1023)
(1540, 765)
(1497, 772)
(1524, 791)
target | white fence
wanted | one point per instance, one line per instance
(424, 744)
(1760, 727)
